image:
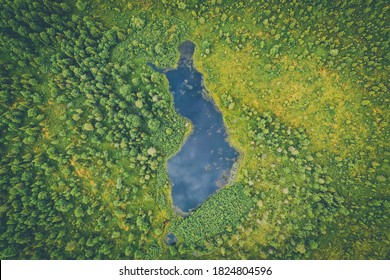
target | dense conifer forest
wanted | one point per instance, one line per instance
(87, 127)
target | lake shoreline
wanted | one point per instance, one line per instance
(205, 143)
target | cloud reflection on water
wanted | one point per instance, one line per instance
(206, 155)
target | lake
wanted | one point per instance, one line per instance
(204, 162)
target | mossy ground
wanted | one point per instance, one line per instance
(303, 91)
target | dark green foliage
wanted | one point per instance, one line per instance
(225, 209)
(68, 131)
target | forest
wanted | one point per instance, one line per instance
(87, 127)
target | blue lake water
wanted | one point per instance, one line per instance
(204, 162)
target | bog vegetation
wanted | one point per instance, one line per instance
(87, 127)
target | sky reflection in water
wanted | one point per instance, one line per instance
(204, 161)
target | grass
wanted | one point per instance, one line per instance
(326, 202)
